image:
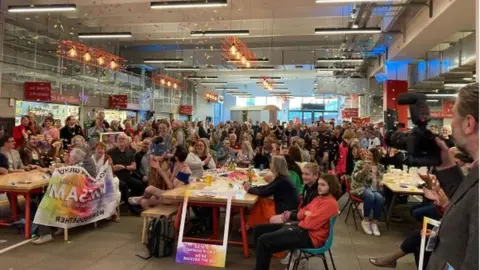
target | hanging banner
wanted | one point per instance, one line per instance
(200, 253)
(349, 113)
(186, 110)
(73, 198)
(38, 91)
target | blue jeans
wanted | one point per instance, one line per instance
(372, 200)
(429, 210)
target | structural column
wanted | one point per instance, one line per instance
(396, 84)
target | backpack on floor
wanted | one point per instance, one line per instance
(161, 238)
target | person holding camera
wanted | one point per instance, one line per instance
(457, 239)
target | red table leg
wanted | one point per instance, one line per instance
(14, 205)
(215, 223)
(27, 216)
(244, 232)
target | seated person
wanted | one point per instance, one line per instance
(285, 195)
(411, 244)
(32, 154)
(295, 174)
(76, 158)
(14, 162)
(142, 162)
(224, 153)
(245, 156)
(200, 159)
(174, 178)
(123, 159)
(311, 232)
(366, 178)
(262, 159)
(100, 157)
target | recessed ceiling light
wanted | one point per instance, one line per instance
(441, 95)
(189, 4)
(42, 8)
(344, 31)
(455, 85)
(105, 35)
(220, 33)
(432, 100)
(162, 61)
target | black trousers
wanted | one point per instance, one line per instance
(129, 186)
(273, 238)
(411, 244)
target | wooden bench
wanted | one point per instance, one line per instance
(158, 211)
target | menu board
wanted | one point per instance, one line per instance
(41, 110)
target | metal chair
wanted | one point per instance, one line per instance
(307, 253)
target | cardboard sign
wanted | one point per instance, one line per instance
(38, 91)
(426, 221)
(118, 101)
(200, 253)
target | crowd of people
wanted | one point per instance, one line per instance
(310, 167)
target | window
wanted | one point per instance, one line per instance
(295, 115)
(295, 103)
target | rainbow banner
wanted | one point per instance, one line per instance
(200, 253)
(73, 198)
(426, 222)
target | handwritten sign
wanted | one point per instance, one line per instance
(186, 109)
(349, 113)
(118, 101)
(200, 253)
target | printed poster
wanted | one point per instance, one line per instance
(201, 253)
(73, 198)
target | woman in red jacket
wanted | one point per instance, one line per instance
(311, 232)
(21, 132)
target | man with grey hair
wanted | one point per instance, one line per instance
(457, 239)
(123, 159)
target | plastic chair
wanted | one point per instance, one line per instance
(307, 253)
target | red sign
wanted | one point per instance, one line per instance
(118, 101)
(38, 91)
(186, 109)
(349, 113)
(360, 120)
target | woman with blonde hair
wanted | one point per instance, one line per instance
(200, 159)
(245, 156)
(285, 197)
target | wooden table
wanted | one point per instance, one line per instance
(393, 183)
(13, 186)
(240, 202)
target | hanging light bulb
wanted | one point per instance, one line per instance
(113, 65)
(87, 57)
(162, 81)
(175, 86)
(169, 83)
(248, 65)
(233, 49)
(100, 61)
(238, 55)
(244, 60)
(72, 52)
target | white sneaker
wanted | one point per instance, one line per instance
(366, 227)
(285, 260)
(375, 229)
(302, 265)
(43, 239)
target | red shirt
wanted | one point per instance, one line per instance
(321, 209)
(18, 135)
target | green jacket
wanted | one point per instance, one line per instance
(297, 181)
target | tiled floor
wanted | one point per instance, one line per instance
(114, 245)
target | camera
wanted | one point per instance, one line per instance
(420, 145)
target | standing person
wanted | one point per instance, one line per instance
(366, 179)
(236, 148)
(201, 130)
(115, 126)
(123, 165)
(37, 129)
(70, 130)
(32, 154)
(178, 135)
(445, 136)
(129, 128)
(104, 123)
(373, 141)
(305, 152)
(49, 128)
(21, 132)
(457, 243)
(94, 132)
